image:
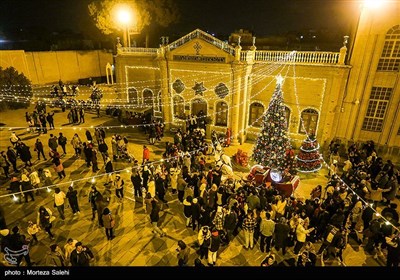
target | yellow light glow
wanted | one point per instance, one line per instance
(373, 4)
(124, 15)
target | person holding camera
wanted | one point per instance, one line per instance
(183, 253)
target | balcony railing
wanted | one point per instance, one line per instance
(149, 51)
(309, 57)
(294, 56)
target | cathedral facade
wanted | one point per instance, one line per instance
(352, 94)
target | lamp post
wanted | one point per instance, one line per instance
(125, 17)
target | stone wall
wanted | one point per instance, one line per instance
(50, 66)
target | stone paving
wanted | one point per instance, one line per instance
(135, 244)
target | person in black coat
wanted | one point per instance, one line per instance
(39, 149)
(25, 154)
(281, 232)
(50, 119)
(215, 243)
(160, 190)
(12, 158)
(196, 214)
(391, 214)
(72, 196)
(230, 223)
(155, 217)
(18, 242)
(88, 135)
(103, 149)
(108, 166)
(81, 256)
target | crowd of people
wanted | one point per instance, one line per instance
(216, 207)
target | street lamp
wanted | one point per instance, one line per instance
(124, 16)
(372, 4)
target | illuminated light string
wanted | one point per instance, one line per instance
(92, 179)
(361, 199)
(308, 139)
(50, 87)
(208, 115)
(126, 85)
(283, 59)
(123, 83)
(140, 125)
(176, 157)
(107, 101)
(309, 160)
(322, 160)
(312, 150)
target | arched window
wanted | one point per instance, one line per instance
(179, 106)
(147, 97)
(287, 113)
(256, 112)
(133, 96)
(390, 57)
(309, 118)
(221, 114)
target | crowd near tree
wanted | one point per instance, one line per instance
(216, 205)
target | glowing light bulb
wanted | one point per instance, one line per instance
(15, 198)
(387, 223)
(93, 181)
(48, 189)
(373, 4)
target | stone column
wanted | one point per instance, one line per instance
(165, 94)
(244, 106)
(235, 109)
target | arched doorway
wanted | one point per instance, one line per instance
(199, 105)
(199, 109)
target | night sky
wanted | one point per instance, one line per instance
(263, 17)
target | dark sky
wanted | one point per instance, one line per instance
(264, 17)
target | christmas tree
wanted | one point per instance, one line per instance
(272, 143)
(309, 159)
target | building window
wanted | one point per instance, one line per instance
(377, 105)
(308, 121)
(287, 113)
(133, 96)
(221, 114)
(147, 97)
(179, 107)
(256, 112)
(390, 58)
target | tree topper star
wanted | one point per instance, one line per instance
(279, 79)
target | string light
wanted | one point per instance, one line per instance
(302, 123)
(229, 108)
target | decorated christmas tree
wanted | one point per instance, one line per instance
(272, 144)
(309, 158)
